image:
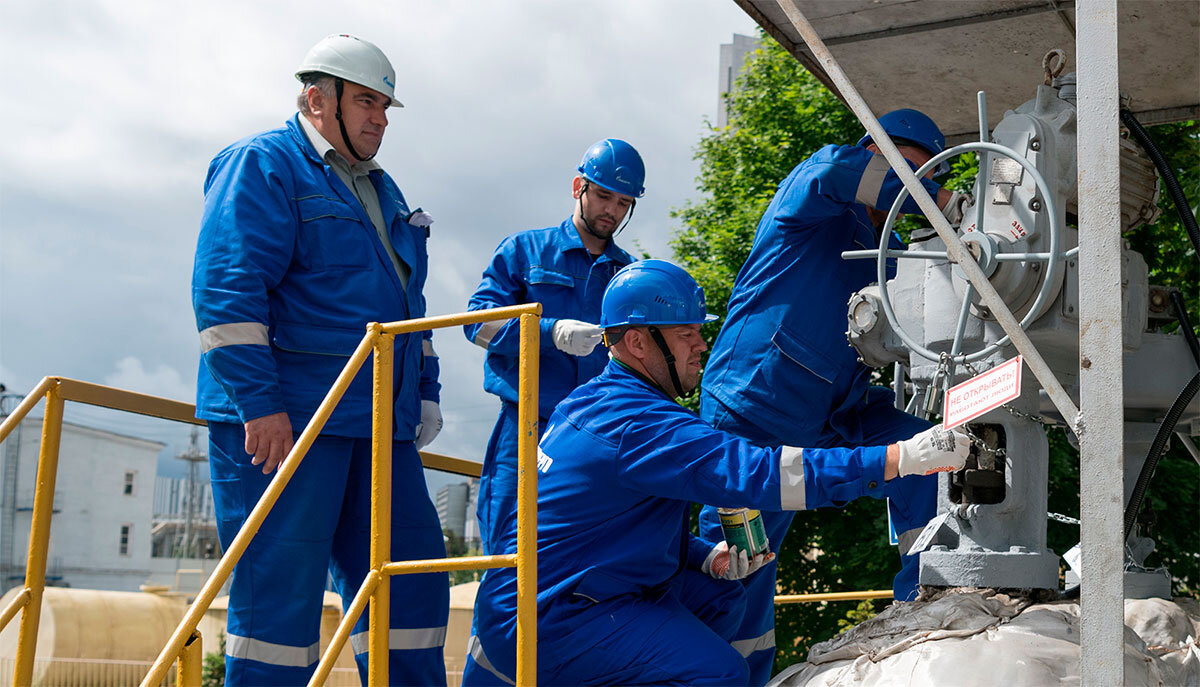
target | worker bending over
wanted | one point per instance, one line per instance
(781, 371)
(565, 268)
(626, 595)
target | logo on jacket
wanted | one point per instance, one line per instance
(544, 462)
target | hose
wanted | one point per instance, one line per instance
(1168, 175)
(1167, 427)
(1185, 325)
(1156, 449)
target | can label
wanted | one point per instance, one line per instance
(743, 528)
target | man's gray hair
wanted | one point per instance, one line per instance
(323, 82)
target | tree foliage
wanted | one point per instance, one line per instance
(779, 115)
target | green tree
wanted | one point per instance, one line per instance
(779, 115)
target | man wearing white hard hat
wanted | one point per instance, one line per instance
(304, 240)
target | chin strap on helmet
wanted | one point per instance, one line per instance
(669, 357)
(340, 85)
(588, 225)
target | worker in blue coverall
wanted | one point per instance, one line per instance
(565, 268)
(626, 595)
(304, 240)
(781, 371)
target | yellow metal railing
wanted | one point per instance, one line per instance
(184, 645)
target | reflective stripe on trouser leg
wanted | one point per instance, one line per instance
(479, 671)
(755, 637)
(420, 603)
(275, 594)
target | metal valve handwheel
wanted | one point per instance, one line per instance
(1053, 257)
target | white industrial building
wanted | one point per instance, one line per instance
(115, 525)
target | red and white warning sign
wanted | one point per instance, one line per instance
(982, 393)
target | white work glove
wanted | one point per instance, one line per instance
(576, 338)
(934, 450)
(725, 563)
(420, 218)
(953, 211)
(431, 424)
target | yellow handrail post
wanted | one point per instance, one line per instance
(342, 633)
(381, 505)
(527, 436)
(256, 517)
(191, 660)
(39, 536)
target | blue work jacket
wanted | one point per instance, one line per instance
(619, 466)
(289, 270)
(549, 266)
(782, 360)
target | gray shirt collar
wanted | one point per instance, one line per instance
(331, 156)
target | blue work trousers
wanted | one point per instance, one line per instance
(912, 502)
(678, 636)
(321, 526)
(497, 505)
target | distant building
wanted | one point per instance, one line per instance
(456, 510)
(116, 525)
(733, 57)
(103, 502)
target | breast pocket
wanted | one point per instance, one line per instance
(551, 288)
(331, 234)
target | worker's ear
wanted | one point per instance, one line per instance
(635, 341)
(316, 100)
(578, 186)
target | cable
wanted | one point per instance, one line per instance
(1168, 175)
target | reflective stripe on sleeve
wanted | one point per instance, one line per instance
(427, 348)
(233, 334)
(403, 639)
(791, 478)
(745, 647)
(476, 650)
(274, 654)
(871, 181)
(487, 330)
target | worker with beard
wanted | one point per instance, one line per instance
(626, 594)
(565, 268)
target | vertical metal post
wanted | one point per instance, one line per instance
(527, 436)
(39, 536)
(381, 506)
(191, 660)
(1101, 377)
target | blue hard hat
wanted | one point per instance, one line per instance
(653, 292)
(614, 165)
(913, 128)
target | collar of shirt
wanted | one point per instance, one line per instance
(331, 156)
(571, 241)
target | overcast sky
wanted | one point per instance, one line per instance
(114, 110)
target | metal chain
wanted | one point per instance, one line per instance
(1059, 517)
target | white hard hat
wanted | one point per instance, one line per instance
(353, 59)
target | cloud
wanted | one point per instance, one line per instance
(122, 104)
(162, 381)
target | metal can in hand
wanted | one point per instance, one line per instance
(743, 528)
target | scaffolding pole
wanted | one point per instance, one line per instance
(1101, 376)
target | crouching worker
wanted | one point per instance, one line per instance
(626, 595)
